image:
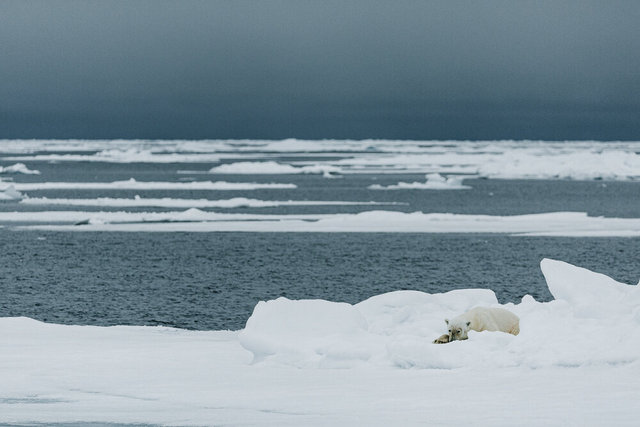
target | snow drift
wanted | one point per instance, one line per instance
(592, 321)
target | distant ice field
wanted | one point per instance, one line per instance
(485, 197)
(494, 159)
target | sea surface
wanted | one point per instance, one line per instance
(213, 280)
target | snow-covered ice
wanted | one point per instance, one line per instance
(512, 162)
(132, 184)
(312, 362)
(580, 160)
(273, 168)
(580, 327)
(10, 193)
(195, 220)
(88, 220)
(168, 202)
(434, 181)
(19, 168)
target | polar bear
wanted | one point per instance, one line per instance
(480, 319)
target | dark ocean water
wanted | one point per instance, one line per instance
(213, 280)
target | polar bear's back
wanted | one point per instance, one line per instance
(493, 319)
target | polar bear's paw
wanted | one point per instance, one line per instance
(443, 339)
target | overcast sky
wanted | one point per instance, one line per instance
(320, 69)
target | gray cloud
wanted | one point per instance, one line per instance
(330, 69)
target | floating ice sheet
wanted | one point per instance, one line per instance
(312, 362)
(132, 184)
(19, 168)
(272, 168)
(555, 223)
(10, 193)
(434, 181)
(167, 202)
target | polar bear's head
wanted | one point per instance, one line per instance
(457, 329)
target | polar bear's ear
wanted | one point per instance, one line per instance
(446, 321)
(468, 323)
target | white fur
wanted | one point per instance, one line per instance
(483, 319)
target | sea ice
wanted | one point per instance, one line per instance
(10, 193)
(377, 221)
(435, 181)
(273, 168)
(593, 320)
(19, 168)
(168, 202)
(580, 160)
(313, 362)
(196, 216)
(132, 184)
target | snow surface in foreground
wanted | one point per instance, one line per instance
(195, 220)
(313, 362)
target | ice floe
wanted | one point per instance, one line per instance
(10, 193)
(168, 202)
(435, 181)
(132, 184)
(272, 168)
(19, 168)
(514, 163)
(549, 224)
(315, 362)
(196, 216)
(122, 156)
